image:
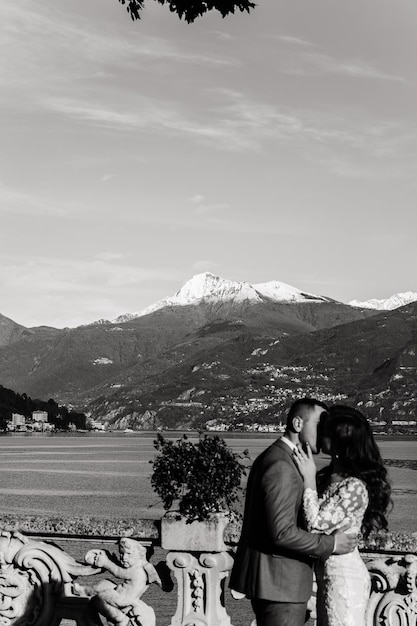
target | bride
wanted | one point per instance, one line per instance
(352, 493)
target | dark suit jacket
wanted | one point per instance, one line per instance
(275, 554)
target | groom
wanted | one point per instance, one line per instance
(274, 558)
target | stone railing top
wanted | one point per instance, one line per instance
(390, 542)
(379, 542)
(82, 526)
(149, 529)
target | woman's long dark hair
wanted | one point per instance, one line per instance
(353, 443)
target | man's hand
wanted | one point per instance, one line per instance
(344, 543)
(306, 466)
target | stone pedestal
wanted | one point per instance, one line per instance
(177, 533)
(201, 579)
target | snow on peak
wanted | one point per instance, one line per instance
(281, 292)
(101, 322)
(126, 317)
(387, 304)
(209, 288)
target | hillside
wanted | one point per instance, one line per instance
(69, 364)
(12, 402)
(370, 362)
(10, 331)
(221, 351)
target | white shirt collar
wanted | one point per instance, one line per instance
(289, 443)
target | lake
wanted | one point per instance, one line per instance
(107, 474)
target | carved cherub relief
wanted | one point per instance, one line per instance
(120, 603)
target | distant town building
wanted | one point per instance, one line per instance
(18, 420)
(40, 416)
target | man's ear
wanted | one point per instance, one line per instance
(297, 424)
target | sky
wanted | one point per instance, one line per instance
(277, 145)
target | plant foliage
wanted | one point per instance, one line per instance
(191, 9)
(200, 478)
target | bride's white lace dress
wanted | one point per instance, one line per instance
(343, 582)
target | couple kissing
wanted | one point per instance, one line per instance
(295, 518)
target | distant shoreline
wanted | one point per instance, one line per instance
(176, 434)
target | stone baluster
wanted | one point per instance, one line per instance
(38, 583)
(393, 599)
(201, 580)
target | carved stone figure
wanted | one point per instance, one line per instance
(16, 589)
(393, 599)
(121, 603)
(34, 576)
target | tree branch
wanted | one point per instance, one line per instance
(191, 9)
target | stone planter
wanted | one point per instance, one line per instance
(207, 536)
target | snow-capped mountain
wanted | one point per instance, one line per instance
(208, 286)
(281, 292)
(210, 289)
(388, 304)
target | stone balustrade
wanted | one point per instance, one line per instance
(56, 572)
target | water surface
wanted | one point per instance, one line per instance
(108, 475)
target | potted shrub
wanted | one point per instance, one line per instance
(199, 484)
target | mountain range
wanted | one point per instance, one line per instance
(221, 350)
(387, 304)
(207, 287)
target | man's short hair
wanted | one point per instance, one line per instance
(302, 407)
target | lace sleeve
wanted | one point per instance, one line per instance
(347, 501)
(311, 509)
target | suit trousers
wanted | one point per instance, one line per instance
(270, 613)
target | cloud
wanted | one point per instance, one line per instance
(201, 207)
(156, 117)
(230, 127)
(147, 115)
(44, 47)
(24, 203)
(223, 36)
(91, 112)
(309, 62)
(109, 256)
(197, 199)
(250, 124)
(204, 266)
(34, 203)
(296, 41)
(163, 50)
(67, 292)
(345, 167)
(317, 63)
(233, 121)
